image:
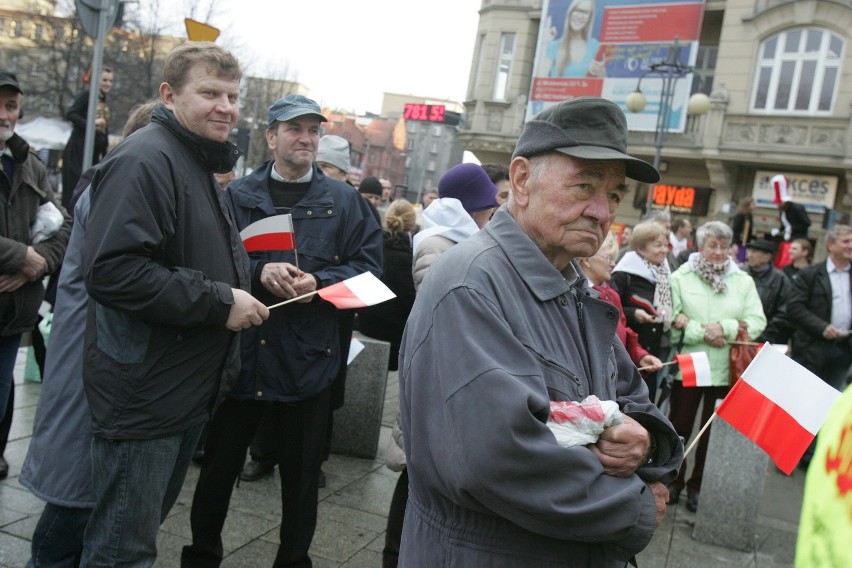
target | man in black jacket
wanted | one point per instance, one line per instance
(167, 276)
(24, 260)
(820, 308)
(773, 287)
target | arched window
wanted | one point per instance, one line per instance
(797, 72)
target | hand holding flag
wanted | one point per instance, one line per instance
(356, 292)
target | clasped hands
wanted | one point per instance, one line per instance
(286, 281)
(35, 266)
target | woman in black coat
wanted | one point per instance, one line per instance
(386, 321)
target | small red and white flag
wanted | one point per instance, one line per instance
(271, 233)
(695, 369)
(357, 292)
(779, 405)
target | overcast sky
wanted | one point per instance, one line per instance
(349, 52)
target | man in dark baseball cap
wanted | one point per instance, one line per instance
(293, 106)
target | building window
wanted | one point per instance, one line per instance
(411, 126)
(437, 131)
(407, 162)
(17, 29)
(480, 46)
(434, 149)
(504, 67)
(705, 68)
(430, 167)
(37, 32)
(2, 26)
(798, 71)
(409, 145)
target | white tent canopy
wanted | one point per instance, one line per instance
(41, 133)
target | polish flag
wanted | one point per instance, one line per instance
(695, 369)
(271, 233)
(357, 292)
(779, 405)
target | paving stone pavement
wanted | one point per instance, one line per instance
(353, 510)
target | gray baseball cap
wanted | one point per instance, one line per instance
(293, 106)
(8, 79)
(589, 128)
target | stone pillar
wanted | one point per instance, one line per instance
(358, 423)
(731, 489)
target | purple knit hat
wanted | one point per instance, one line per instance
(471, 185)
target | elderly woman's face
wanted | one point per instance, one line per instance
(715, 250)
(655, 252)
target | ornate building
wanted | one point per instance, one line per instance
(779, 76)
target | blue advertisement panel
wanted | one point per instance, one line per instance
(602, 48)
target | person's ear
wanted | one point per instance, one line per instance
(167, 96)
(520, 173)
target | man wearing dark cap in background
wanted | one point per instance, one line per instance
(773, 287)
(24, 187)
(370, 189)
(505, 323)
(289, 363)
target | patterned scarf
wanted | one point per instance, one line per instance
(662, 292)
(712, 273)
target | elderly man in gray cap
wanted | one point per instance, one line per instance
(288, 364)
(505, 324)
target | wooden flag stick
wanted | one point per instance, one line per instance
(697, 437)
(297, 298)
(743, 343)
(651, 366)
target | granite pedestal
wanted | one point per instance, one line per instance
(358, 423)
(731, 489)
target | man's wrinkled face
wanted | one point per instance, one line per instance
(10, 110)
(206, 105)
(294, 143)
(568, 204)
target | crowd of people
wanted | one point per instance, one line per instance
(511, 295)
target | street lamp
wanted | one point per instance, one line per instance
(669, 72)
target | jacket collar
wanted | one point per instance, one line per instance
(541, 277)
(18, 147)
(251, 191)
(218, 157)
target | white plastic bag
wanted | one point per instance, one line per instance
(580, 423)
(47, 221)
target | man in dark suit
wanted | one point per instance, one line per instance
(820, 306)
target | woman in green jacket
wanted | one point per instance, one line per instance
(710, 296)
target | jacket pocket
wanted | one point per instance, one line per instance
(562, 383)
(120, 336)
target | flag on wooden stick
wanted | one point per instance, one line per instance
(779, 405)
(270, 233)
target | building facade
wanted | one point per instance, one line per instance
(779, 77)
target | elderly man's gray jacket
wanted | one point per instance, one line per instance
(496, 333)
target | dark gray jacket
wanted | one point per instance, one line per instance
(496, 333)
(20, 199)
(160, 259)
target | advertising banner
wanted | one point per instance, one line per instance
(815, 192)
(602, 48)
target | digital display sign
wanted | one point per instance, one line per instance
(423, 112)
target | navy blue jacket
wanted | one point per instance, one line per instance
(295, 354)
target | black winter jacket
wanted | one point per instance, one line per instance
(160, 259)
(774, 289)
